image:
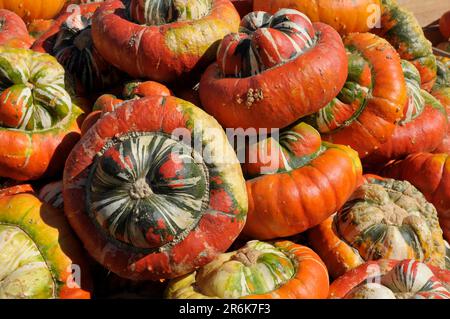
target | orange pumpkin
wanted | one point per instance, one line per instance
(259, 270)
(364, 113)
(297, 183)
(422, 128)
(30, 10)
(345, 16)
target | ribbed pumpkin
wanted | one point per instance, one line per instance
(259, 270)
(430, 173)
(422, 128)
(296, 182)
(162, 40)
(383, 219)
(30, 10)
(364, 113)
(13, 31)
(400, 27)
(131, 90)
(346, 16)
(37, 117)
(255, 82)
(144, 201)
(69, 40)
(391, 279)
(38, 250)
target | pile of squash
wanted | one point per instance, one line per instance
(222, 149)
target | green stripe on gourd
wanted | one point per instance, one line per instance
(147, 189)
(443, 72)
(325, 120)
(408, 279)
(159, 12)
(256, 268)
(23, 272)
(390, 219)
(33, 84)
(416, 99)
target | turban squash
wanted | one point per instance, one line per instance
(403, 31)
(162, 40)
(430, 173)
(131, 90)
(256, 82)
(383, 219)
(441, 91)
(259, 270)
(144, 201)
(364, 113)
(422, 128)
(30, 10)
(39, 250)
(69, 40)
(296, 182)
(37, 117)
(393, 279)
(13, 31)
(346, 16)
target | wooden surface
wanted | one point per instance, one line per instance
(426, 11)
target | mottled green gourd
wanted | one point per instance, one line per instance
(256, 268)
(416, 101)
(391, 219)
(32, 92)
(23, 271)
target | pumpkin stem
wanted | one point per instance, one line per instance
(140, 189)
(249, 257)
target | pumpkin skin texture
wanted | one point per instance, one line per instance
(30, 10)
(69, 40)
(392, 279)
(275, 94)
(38, 27)
(300, 194)
(259, 270)
(433, 181)
(383, 219)
(364, 113)
(403, 31)
(184, 46)
(131, 90)
(345, 16)
(38, 238)
(422, 128)
(13, 31)
(37, 116)
(165, 240)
